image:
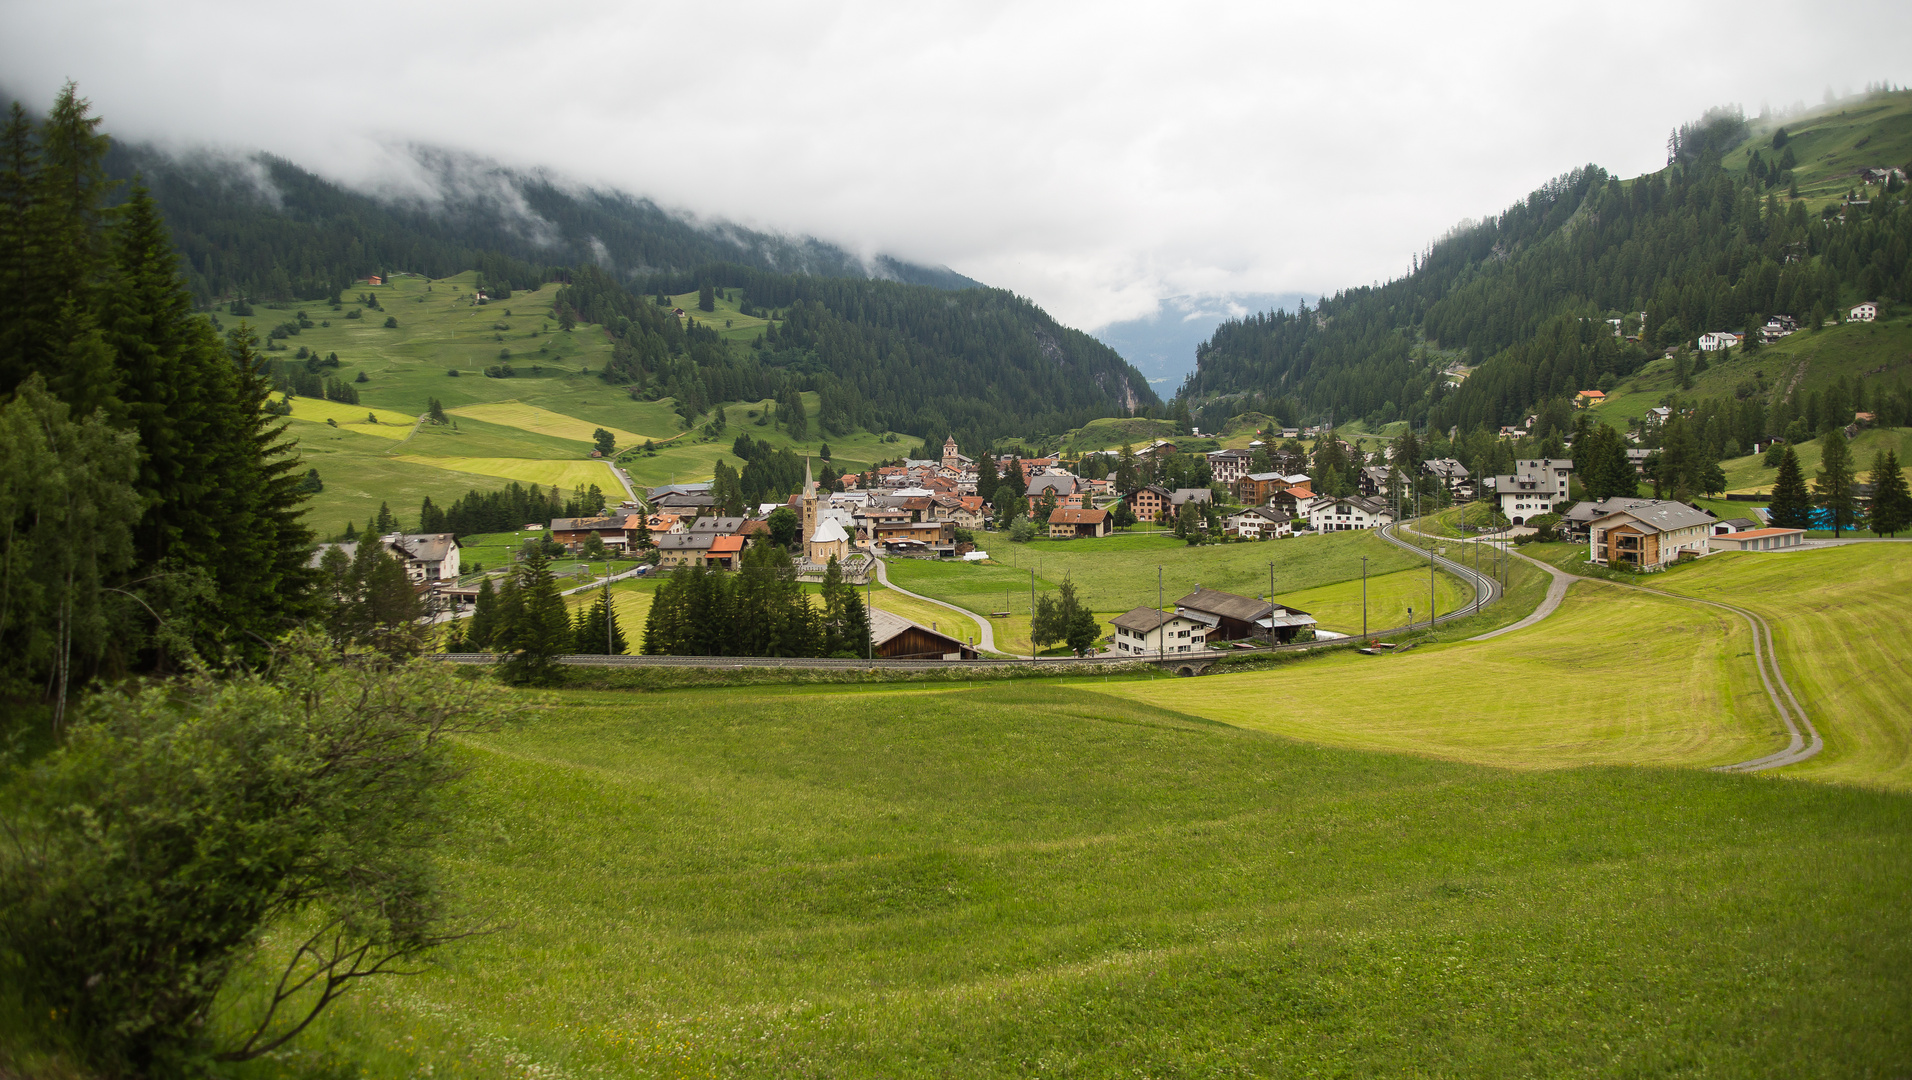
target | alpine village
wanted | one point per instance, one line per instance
(652, 648)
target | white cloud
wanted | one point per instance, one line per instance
(1094, 156)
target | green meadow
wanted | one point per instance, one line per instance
(534, 427)
(1060, 879)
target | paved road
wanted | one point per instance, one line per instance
(1486, 586)
(1803, 739)
(986, 634)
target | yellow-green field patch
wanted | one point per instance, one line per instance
(391, 424)
(564, 474)
(1389, 599)
(1615, 677)
(531, 418)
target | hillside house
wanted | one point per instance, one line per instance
(1148, 632)
(1229, 617)
(1062, 485)
(721, 526)
(1866, 312)
(1534, 488)
(1576, 518)
(1757, 540)
(1649, 537)
(1293, 498)
(1719, 340)
(1199, 496)
(1452, 474)
(1255, 489)
(1071, 523)
(1734, 525)
(1348, 512)
(726, 552)
(1587, 399)
(1375, 479)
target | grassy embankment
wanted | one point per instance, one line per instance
(535, 427)
(1039, 878)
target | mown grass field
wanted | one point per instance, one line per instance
(1042, 879)
(1844, 634)
(1613, 677)
(1750, 475)
(566, 475)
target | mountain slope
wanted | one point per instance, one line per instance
(265, 228)
(1713, 242)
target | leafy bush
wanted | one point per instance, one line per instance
(391, 322)
(147, 855)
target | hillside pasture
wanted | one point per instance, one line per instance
(565, 475)
(517, 414)
(1614, 677)
(1026, 879)
(1844, 635)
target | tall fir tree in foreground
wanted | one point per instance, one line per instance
(92, 303)
(1891, 501)
(1791, 506)
(1833, 487)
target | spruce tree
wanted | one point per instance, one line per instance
(1791, 506)
(1891, 501)
(484, 617)
(1832, 489)
(542, 631)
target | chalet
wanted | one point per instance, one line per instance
(1756, 540)
(1228, 617)
(684, 503)
(1657, 416)
(892, 637)
(1587, 399)
(1148, 632)
(1160, 448)
(1734, 525)
(572, 532)
(663, 490)
(964, 512)
(1259, 523)
(1452, 474)
(1348, 512)
(1865, 312)
(1649, 537)
(1229, 466)
(1636, 457)
(1576, 518)
(1291, 498)
(1374, 479)
(1719, 340)
(1535, 487)
(925, 533)
(1070, 523)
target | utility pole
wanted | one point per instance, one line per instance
(1433, 598)
(1032, 616)
(1161, 627)
(1364, 596)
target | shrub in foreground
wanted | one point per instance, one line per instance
(143, 860)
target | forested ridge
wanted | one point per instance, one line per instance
(979, 363)
(1695, 247)
(264, 228)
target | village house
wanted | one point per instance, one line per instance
(1575, 520)
(1179, 496)
(1734, 525)
(1255, 489)
(1587, 399)
(1535, 487)
(1374, 479)
(1071, 523)
(726, 552)
(965, 512)
(1259, 523)
(1293, 498)
(1636, 457)
(1229, 617)
(1865, 312)
(1150, 503)
(1148, 632)
(683, 549)
(1756, 540)
(721, 526)
(1649, 537)
(1061, 484)
(427, 557)
(1719, 340)
(1347, 512)
(1229, 466)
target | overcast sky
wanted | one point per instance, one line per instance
(1094, 156)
